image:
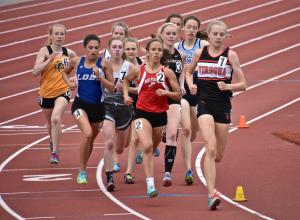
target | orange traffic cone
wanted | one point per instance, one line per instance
(239, 195)
(242, 122)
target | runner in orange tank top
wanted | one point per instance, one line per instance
(54, 94)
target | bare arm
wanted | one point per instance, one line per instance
(132, 75)
(108, 81)
(182, 75)
(42, 61)
(189, 72)
(175, 94)
(240, 84)
(67, 71)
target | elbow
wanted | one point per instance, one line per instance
(244, 87)
(35, 73)
(179, 96)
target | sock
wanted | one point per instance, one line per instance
(170, 154)
(150, 181)
(109, 176)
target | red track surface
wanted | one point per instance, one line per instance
(264, 165)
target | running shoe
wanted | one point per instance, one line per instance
(151, 192)
(213, 202)
(116, 167)
(189, 177)
(110, 183)
(82, 177)
(167, 180)
(139, 157)
(128, 178)
(156, 152)
(54, 157)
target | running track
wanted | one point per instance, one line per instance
(266, 37)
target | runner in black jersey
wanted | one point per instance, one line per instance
(216, 64)
(168, 33)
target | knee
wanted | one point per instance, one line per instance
(211, 152)
(148, 149)
(55, 120)
(120, 150)
(109, 143)
(87, 135)
(186, 132)
(219, 158)
(171, 134)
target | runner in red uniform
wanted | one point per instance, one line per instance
(154, 81)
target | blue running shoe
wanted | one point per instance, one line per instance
(151, 192)
(213, 202)
(54, 158)
(116, 167)
(139, 157)
(156, 152)
(82, 177)
(189, 177)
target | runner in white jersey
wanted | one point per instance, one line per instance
(118, 116)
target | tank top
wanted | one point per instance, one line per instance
(210, 71)
(189, 52)
(89, 87)
(117, 97)
(176, 64)
(148, 83)
(52, 83)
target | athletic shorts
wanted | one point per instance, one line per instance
(155, 119)
(221, 111)
(192, 99)
(120, 114)
(95, 112)
(172, 101)
(49, 102)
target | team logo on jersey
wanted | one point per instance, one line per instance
(61, 64)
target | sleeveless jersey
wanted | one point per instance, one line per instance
(210, 71)
(189, 52)
(148, 83)
(176, 64)
(117, 97)
(52, 83)
(89, 87)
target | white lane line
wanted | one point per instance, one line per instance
(110, 196)
(9, 159)
(195, 11)
(116, 19)
(49, 12)
(51, 191)
(101, 22)
(17, 94)
(29, 6)
(201, 153)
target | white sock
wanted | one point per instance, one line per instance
(150, 181)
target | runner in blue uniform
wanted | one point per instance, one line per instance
(93, 74)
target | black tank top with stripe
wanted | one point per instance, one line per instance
(212, 70)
